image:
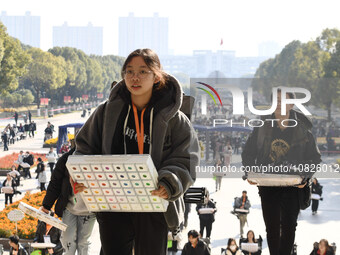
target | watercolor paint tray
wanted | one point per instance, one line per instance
(119, 183)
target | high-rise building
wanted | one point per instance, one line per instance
(88, 39)
(143, 32)
(25, 28)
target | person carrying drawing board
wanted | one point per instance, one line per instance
(71, 208)
(142, 116)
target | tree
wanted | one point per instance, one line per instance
(13, 61)
(313, 65)
(276, 72)
(22, 97)
(46, 73)
(328, 39)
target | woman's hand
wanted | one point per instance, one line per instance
(251, 183)
(160, 192)
(302, 185)
(77, 187)
(43, 209)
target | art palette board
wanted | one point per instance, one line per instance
(30, 210)
(274, 179)
(118, 183)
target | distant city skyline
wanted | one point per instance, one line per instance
(193, 25)
(143, 32)
(86, 38)
(25, 27)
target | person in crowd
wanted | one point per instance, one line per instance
(195, 246)
(16, 116)
(277, 144)
(142, 116)
(15, 246)
(20, 160)
(11, 135)
(227, 153)
(16, 177)
(218, 175)
(317, 191)
(41, 173)
(29, 114)
(29, 160)
(21, 128)
(43, 230)
(8, 187)
(70, 207)
(26, 129)
(4, 138)
(32, 129)
(322, 248)
(237, 145)
(84, 113)
(48, 132)
(242, 203)
(232, 248)
(51, 157)
(64, 148)
(207, 217)
(251, 239)
(25, 118)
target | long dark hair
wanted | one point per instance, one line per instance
(151, 59)
(230, 241)
(254, 240)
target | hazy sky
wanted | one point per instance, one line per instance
(193, 24)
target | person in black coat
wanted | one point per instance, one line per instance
(44, 229)
(195, 246)
(206, 219)
(316, 189)
(4, 138)
(16, 116)
(16, 247)
(60, 191)
(278, 144)
(32, 129)
(29, 116)
(322, 248)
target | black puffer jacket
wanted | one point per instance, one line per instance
(59, 188)
(207, 217)
(317, 188)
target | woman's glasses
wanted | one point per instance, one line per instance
(142, 74)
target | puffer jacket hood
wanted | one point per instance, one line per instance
(173, 93)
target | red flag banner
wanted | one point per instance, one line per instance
(43, 101)
(100, 95)
(67, 99)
